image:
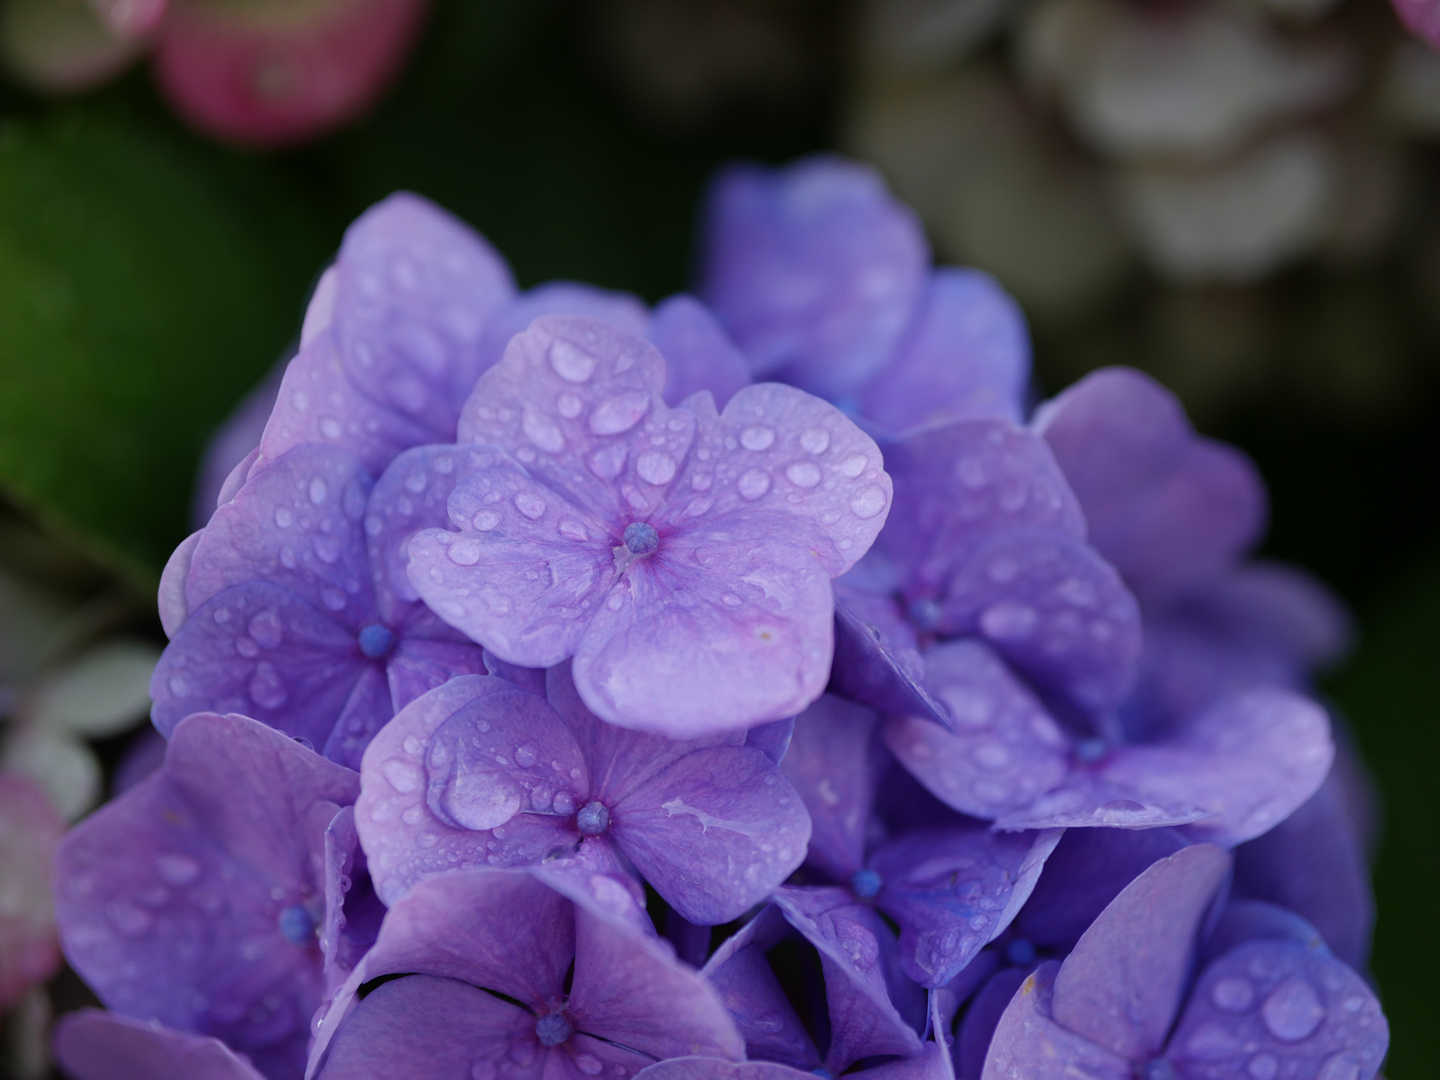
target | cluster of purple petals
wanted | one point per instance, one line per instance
(740, 690)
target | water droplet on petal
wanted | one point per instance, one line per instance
(1339, 1067)
(1232, 995)
(815, 441)
(1263, 1067)
(403, 775)
(571, 363)
(619, 413)
(753, 483)
(266, 687)
(1008, 620)
(868, 503)
(485, 520)
(757, 437)
(177, 870)
(803, 474)
(568, 405)
(588, 1064)
(542, 431)
(655, 467)
(525, 756)
(283, 517)
(1293, 1010)
(464, 552)
(530, 504)
(854, 465)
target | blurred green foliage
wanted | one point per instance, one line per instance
(145, 283)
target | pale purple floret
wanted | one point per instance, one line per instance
(682, 556)
(951, 884)
(196, 897)
(874, 1010)
(1269, 1000)
(506, 977)
(95, 1045)
(482, 773)
(823, 279)
(294, 606)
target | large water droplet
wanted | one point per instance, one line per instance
(318, 490)
(530, 504)
(571, 363)
(803, 474)
(619, 413)
(655, 467)
(464, 552)
(1293, 1010)
(757, 437)
(753, 483)
(542, 431)
(868, 503)
(815, 441)
(854, 465)
(484, 521)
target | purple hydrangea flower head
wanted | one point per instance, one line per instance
(666, 550)
(96, 1045)
(289, 605)
(1269, 999)
(868, 1007)
(482, 773)
(823, 279)
(198, 897)
(505, 976)
(950, 884)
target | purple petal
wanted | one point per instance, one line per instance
(706, 1068)
(95, 1045)
(1273, 1008)
(815, 270)
(1004, 752)
(174, 608)
(1124, 982)
(731, 609)
(352, 910)
(772, 739)
(1085, 872)
(967, 356)
(367, 710)
(1296, 613)
(747, 986)
(531, 680)
(234, 449)
(1313, 863)
(1168, 508)
(319, 404)
(698, 355)
(415, 290)
(833, 768)
(411, 495)
(981, 1018)
(524, 574)
(433, 1027)
(958, 485)
(875, 669)
(952, 891)
(852, 942)
(779, 450)
(1057, 612)
(260, 650)
(629, 989)
(432, 789)
(419, 664)
(229, 834)
(296, 524)
(714, 833)
(1085, 799)
(1029, 1043)
(1250, 761)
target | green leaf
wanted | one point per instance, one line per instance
(146, 282)
(1391, 693)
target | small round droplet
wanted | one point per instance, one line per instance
(296, 925)
(655, 467)
(485, 520)
(868, 503)
(753, 484)
(571, 363)
(588, 1064)
(552, 1030)
(283, 517)
(1008, 620)
(530, 504)
(757, 437)
(542, 431)
(318, 490)
(641, 538)
(568, 406)
(593, 819)
(376, 641)
(464, 552)
(619, 413)
(1293, 1010)
(803, 474)
(815, 441)
(865, 884)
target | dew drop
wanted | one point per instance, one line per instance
(655, 467)
(568, 405)
(283, 517)
(1232, 995)
(570, 362)
(530, 504)
(177, 870)
(757, 437)
(815, 441)
(854, 465)
(1008, 620)
(464, 552)
(266, 687)
(484, 521)
(868, 503)
(753, 483)
(404, 776)
(1293, 1010)
(803, 474)
(619, 413)
(588, 1064)
(1339, 1067)
(542, 431)
(525, 756)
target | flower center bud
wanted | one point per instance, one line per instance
(376, 641)
(865, 884)
(1020, 952)
(296, 925)
(553, 1030)
(641, 538)
(1157, 1069)
(593, 819)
